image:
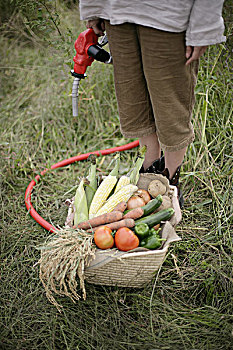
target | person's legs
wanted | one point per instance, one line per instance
(170, 84)
(173, 160)
(171, 88)
(155, 92)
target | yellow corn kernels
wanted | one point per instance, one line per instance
(123, 181)
(102, 194)
(123, 194)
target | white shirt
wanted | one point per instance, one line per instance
(201, 19)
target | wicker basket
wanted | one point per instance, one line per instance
(137, 267)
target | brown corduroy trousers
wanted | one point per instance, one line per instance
(154, 87)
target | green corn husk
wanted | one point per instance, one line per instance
(115, 170)
(134, 172)
(80, 203)
(91, 186)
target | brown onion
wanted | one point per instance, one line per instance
(135, 202)
(144, 194)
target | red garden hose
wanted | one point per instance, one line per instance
(63, 163)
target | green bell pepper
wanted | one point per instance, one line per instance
(154, 232)
(142, 230)
(152, 242)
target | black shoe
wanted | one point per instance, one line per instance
(155, 168)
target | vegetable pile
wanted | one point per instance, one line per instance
(112, 213)
(117, 212)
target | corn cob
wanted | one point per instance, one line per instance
(115, 170)
(80, 203)
(123, 181)
(123, 194)
(102, 194)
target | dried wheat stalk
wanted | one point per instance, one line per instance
(63, 257)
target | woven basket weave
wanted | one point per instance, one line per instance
(137, 267)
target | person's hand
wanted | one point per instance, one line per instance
(193, 53)
(97, 25)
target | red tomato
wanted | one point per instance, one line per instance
(125, 239)
(103, 238)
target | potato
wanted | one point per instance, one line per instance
(156, 187)
(166, 203)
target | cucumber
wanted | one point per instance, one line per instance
(154, 219)
(152, 205)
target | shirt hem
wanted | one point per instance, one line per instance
(121, 21)
(206, 42)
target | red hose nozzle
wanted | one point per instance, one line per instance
(88, 49)
(82, 59)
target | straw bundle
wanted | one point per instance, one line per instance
(63, 257)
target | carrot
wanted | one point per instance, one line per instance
(121, 206)
(134, 213)
(100, 220)
(116, 225)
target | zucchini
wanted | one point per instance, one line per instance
(154, 219)
(152, 205)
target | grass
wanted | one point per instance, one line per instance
(189, 304)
